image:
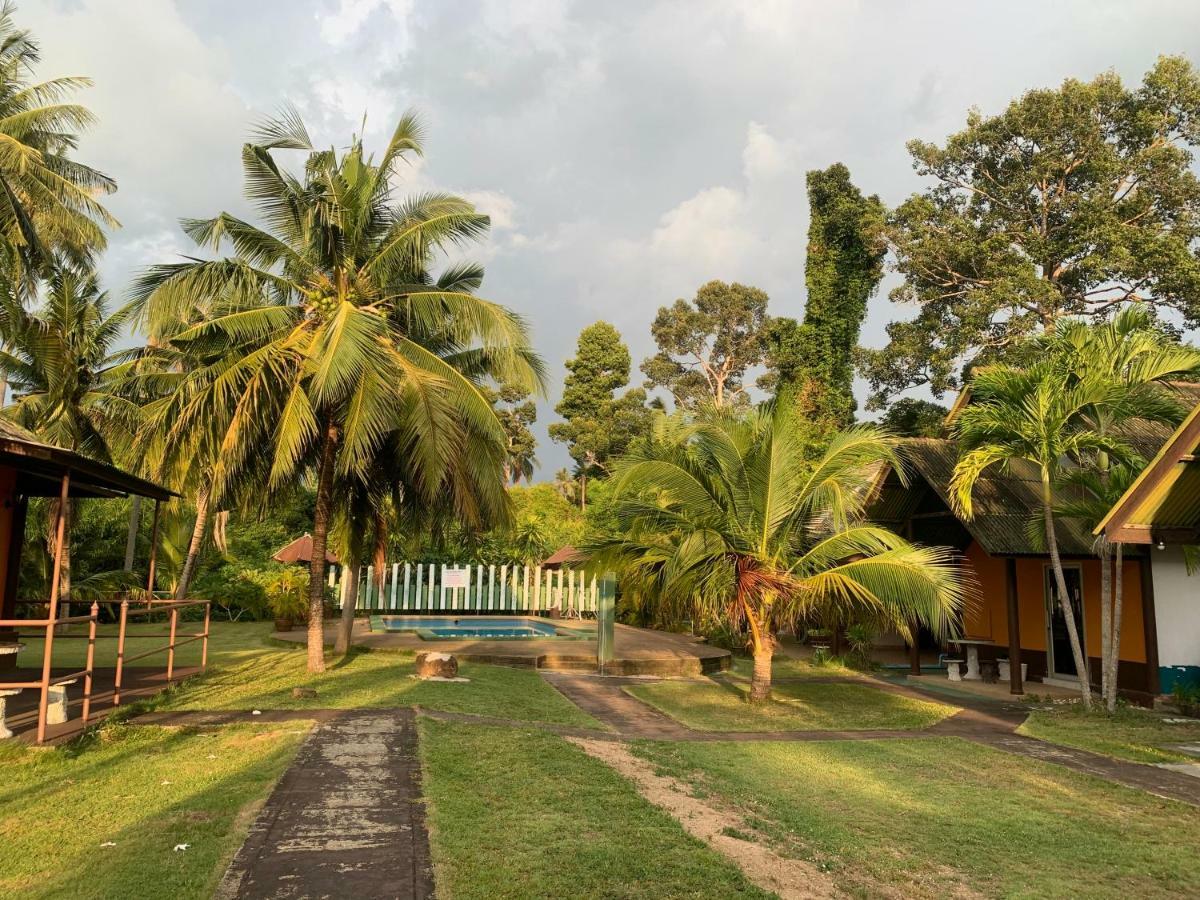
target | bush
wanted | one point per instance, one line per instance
(287, 594)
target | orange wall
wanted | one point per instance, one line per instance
(987, 617)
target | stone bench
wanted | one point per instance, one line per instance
(56, 703)
(5, 731)
(954, 669)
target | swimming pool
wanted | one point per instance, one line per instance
(493, 628)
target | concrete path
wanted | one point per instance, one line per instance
(346, 819)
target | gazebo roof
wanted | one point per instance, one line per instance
(40, 468)
(300, 551)
(563, 556)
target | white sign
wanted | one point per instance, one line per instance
(456, 577)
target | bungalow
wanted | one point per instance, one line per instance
(1015, 615)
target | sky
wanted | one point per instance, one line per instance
(627, 152)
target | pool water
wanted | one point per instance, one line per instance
(434, 628)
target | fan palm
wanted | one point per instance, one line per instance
(67, 376)
(1039, 415)
(319, 330)
(729, 518)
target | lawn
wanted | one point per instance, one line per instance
(516, 814)
(796, 706)
(787, 667)
(265, 680)
(940, 816)
(102, 819)
(1130, 733)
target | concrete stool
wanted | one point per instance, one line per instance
(56, 705)
(5, 731)
(954, 669)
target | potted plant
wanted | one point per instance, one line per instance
(287, 597)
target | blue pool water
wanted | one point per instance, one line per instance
(449, 627)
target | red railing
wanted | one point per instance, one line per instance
(47, 680)
(46, 627)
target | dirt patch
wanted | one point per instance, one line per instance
(722, 829)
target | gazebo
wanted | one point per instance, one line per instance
(299, 551)
(31, 468)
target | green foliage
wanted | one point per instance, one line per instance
(813, 363)
(706, 346)
(516, 412)
(286, 594)
(1069, 202)
(717, 519)
(909, 417)
(599, 424)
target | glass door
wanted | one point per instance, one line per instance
(1060, 661)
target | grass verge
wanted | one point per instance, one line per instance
(375, 679)
(101, 817)
(712, 706)
(1130, 733)
(517, 814)
(941, 816)
(228, 642)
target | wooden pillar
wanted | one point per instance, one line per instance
(60, 523)
(1015, 683)
(1149, 623)
(153, 552)
(914, 650)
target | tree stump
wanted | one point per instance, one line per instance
(436, 665)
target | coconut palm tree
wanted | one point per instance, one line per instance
(317, 328)
(729, 518)
(1039, 415)
(48, 204)
(67, 376)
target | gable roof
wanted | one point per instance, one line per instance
(300, 551)
(1004, 500)
(1163, 503)
(563, 556)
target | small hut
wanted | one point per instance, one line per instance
(563, 558)
(299, 552)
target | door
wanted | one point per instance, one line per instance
(1060, 660)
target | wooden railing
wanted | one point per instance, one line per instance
(156, 606)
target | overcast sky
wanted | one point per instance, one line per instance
(626, 151)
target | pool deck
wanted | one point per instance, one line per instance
(637, 651)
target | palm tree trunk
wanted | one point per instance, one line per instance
(1105, 613)
(1115, 654)
(762, 645)
(135, 518)
(194, 545)
(379, 556)
(316, 566)
(1064, 601)
(349, 605)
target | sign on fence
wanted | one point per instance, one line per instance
(426, 587)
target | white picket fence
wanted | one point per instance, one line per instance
(430, 587)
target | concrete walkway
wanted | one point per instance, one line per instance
(346, 819)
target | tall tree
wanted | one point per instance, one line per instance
(599, 424)
(706, 346)
(321, 318)
(813, 362)
(910, 417)
(516, 411)
(729, 519)
(1072, 201)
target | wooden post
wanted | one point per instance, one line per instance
(914, 650)
(60, 522)
(204, 643)
(120, 652)
(91, 659)
(171, 644)
(153, 551)
(1149, 622)
(1016, 684)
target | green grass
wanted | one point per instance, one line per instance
(710, 706)
(515, 814)
(228, 642)
(1130, 733)
(786, 667)
(266, 678)
(57, 807)
(938, 817)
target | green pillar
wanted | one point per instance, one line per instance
(606, 613)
